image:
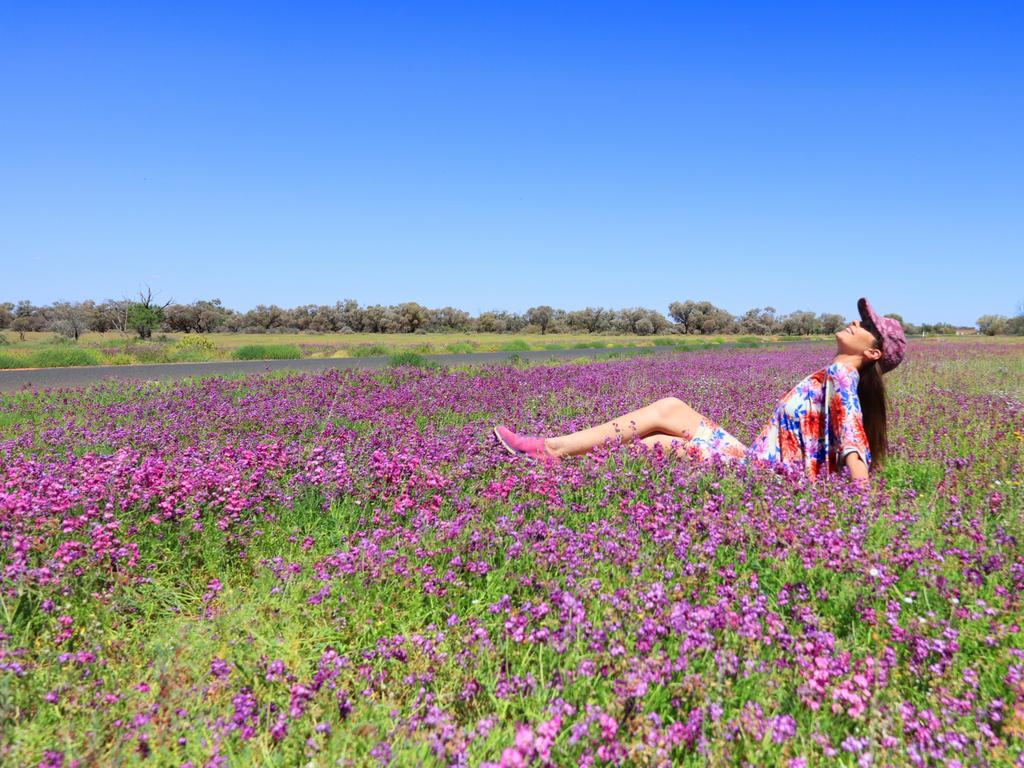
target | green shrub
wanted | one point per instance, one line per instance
(62, 357)
(195, 349)
(268, 352)
(516, 345)
(10, 361)
(147, 352)
(460, 348)
(144, 318)
(368, 350)
(4, 341)
(410, 358)
(121, 358)
(204, 343)
(589, 345)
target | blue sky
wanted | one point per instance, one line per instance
(486, 155)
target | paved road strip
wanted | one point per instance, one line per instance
(48, 378)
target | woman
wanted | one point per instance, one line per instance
(803, 433)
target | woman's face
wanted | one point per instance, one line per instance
(855, 339)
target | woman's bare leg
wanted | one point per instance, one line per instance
(668, 416)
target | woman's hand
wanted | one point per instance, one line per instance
(858, 469)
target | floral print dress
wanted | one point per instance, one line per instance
(803, 433)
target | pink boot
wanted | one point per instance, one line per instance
(533, 447)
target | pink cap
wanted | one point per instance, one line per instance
(894, 343)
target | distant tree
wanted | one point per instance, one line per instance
(685, 314)
(324, 320)
(181, 318)
(700, 317)
(490, 322)
(71, 320)
(1015, 325)
(265, 317)
(590, 320)
(411, 317)
(112, 315)
(100, 320)
(393, 322)
(514, 322)
(830, 322)
(799, 323)
(297, 317)
(311, 317)
(541, 316)
(27, 318)
(145, 315)
(696, 317)
(449, 319)
(640, 320)
(350, 314)
(375, 318)
(896, 316)
(719, 321)
(143, 320)
(211, 315)
(993, 325)
(759, 321)
(661, 324)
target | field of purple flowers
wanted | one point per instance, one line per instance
(344, 569)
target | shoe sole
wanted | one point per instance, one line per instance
(507, 447)
(531, 457)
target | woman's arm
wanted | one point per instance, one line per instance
(858, 469)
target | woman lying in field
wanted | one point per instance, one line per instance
(804, 433)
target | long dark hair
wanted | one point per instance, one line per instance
(874, 404)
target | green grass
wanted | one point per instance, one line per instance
(51, 357)
(62, 357)
(268, 352)
(117, 349)
(516, 345)
(410, 358)
(369, 350)
(922, 476)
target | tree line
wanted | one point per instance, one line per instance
(143, 315)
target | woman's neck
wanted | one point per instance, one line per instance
(852, 361)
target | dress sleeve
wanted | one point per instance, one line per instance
(846, 417)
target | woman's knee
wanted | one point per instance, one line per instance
(676, 416)
(670, 407)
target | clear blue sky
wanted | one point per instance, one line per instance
(503, 155)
